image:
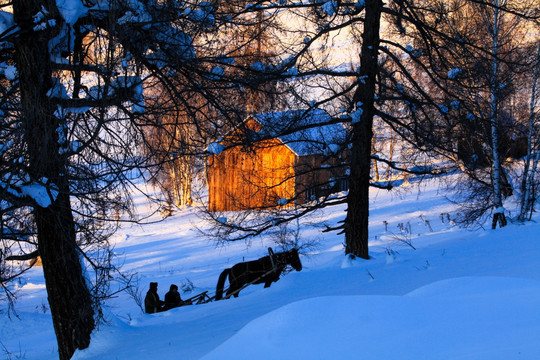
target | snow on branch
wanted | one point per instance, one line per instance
(204, 15)
(329, 7)
(454, 73)
(39, 192)
(215, 148)
(6, 22)
(71, 10)
(9, 71)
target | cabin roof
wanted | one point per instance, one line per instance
(308, 140)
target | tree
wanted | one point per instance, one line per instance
(358, 98)
(69, 296)
(76, 81)
(247, 45)
(499, 216)
(482, 87)
(411, 87)
(531, 161)
(174, 146)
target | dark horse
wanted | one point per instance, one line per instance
(254, 271)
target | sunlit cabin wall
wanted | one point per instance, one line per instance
(240, 178)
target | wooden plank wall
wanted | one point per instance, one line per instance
(258, 177)
(318, 176)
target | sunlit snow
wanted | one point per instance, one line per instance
(462, 294)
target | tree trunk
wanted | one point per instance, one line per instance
(356, 224)
(375, 162)
(391, 153)
(69, 298)
(528, 175)
(498, 216)
(186, 176)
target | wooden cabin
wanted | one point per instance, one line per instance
(266, 169)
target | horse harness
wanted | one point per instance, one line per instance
(271, 255)
(278, 263)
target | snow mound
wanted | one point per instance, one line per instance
(486, 318)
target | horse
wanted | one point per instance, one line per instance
(254, 271)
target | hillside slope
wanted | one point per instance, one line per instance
(459, 294)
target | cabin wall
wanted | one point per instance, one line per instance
(240, 178)
(318, 176)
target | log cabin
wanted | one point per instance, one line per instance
(278, 159)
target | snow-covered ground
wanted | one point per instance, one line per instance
(459, 294)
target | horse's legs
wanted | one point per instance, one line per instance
(232, 289)
(234, 284)
(271, 278)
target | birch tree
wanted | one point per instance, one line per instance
(485, 64)
(494, 86)
(533, 153)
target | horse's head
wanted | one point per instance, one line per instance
(294, 259)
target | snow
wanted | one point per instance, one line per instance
(216, 73)
(333, 149)
(329, 7)
(315, 140)
(36, 191)
(5, 147)
(215, 148)
(222, 219)
(203, 15)
(462, 294)
(71, 10)
(259, 66)
(454, 73)
(137, 14)
(58, 90)
(291, 72)
(6, 21)
(72, 147)
(10, 71)
(40, 16)
(360, 4)
(410, 328)
(443, 109)
(499, 210)
(356, 115)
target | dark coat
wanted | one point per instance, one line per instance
(172, 300)
(152, 303)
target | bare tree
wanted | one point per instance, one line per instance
(482, 81)
(358, 93)
(77, 81)
(531, 160)
(411, 87)
(494, 87)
